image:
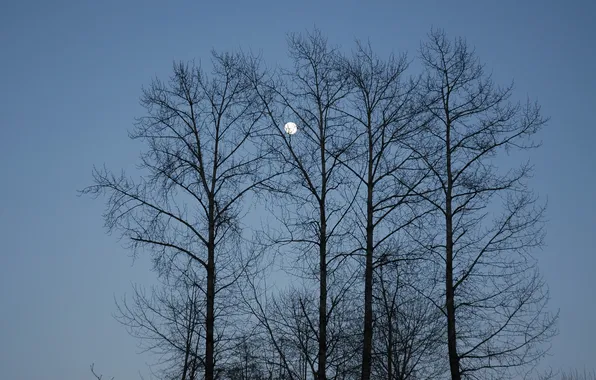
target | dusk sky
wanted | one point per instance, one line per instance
(71, 75)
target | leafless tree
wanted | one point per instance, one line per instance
(289, 325)
(307, 199)
(494, 299)
(201, 162)
(381, 114)
(287, 336)
(408, 327)
(249, 360)
(392, 185)
(169, 322)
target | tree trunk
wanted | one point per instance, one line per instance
(323, 306)
(209, 363)
(368, 272)
(368, 314)
(390, 346)
(449, 291)
(321, 370)
(210, 318)
(323, 313)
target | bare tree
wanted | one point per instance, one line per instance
(408, 327)
(494, 299)
(249, 360)
(169, 323)
(200, 164)
(390, 183)
(289, 324)
(308, 203)
(381, 115)
(289, 339)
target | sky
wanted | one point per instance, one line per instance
(71, 74)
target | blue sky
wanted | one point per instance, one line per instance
(71, 74)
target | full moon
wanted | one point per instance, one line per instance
(290, 128)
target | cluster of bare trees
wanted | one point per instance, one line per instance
(398, 241)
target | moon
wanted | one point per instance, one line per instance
(290, 128)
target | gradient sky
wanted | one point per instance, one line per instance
(71, 73)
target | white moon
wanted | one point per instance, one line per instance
(290, 128)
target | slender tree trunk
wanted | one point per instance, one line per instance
(390, 346)
(449, 291)
(368, 314)
(323, 304)
(186, 363)
(209, 362)
(322, 362)
(194, 364)
(368, 272)
(188, 346)
(210, 318)
(305, 353)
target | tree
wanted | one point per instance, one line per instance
(494, 299)
(394, 186)
(381, 117)
(200, 164)
(289, 325)
(248, 360)
(408, 328)
(169, 323)
(308, 196)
